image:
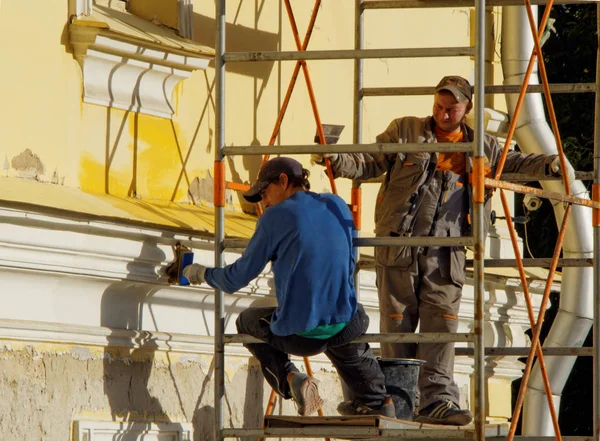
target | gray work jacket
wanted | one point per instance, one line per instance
(417, 200)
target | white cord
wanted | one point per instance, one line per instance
(526, 211)
(527, 241)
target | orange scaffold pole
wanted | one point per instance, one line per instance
(538, 346)
(301, 46)
(535, 339)
(535, 344)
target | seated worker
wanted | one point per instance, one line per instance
(308, 238)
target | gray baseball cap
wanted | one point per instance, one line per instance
(458, 86)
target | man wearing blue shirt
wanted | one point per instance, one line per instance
(308, 239)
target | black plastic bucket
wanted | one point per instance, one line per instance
(401, 379)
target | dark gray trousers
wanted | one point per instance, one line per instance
(422, 288)
(354, 362)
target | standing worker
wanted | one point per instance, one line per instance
(308, 238)
(428, 194)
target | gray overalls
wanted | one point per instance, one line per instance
(424, 284)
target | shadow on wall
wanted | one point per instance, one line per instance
(238, 39)
(253, 410)
(127, 370)
(243, 39)
(127, 305)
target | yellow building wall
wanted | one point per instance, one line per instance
(123, 154)
(137, 158)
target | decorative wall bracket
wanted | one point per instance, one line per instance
(130, 64)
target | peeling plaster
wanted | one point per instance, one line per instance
(28, 165)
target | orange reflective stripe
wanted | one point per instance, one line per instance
(450, 316)
(409, 164)
(396, 316)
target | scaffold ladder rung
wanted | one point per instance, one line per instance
(495, 89)
(349, 54)
(402, 337)
(347, 148)
(524, 351)
(364, 264)
(419, 4)
(384, 241)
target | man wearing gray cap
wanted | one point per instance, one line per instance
(428, 194)
(307, 237)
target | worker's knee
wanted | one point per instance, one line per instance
(438, 318)
(404, 319)
(252, 320)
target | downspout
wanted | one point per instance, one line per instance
(575, 315)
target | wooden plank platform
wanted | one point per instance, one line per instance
(374, 427)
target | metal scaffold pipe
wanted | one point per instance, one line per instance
(463, 241)
(425, 337)
(405, 4)
(478, 221)
(219, 202)
(509, 88)
(347, 148)
(357, 121)
(350, 54)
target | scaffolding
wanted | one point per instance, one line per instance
(480, 183)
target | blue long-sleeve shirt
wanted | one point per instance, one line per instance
(308, 239)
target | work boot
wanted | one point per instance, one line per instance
(305, 393)
(355, 407)
(444, 412)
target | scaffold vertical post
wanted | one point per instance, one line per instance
(596, 226)
(478, 220)
(356, 197)
(219, 202)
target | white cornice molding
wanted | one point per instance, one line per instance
(129, 74)
(94, 284)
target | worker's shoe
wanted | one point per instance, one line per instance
(355, 407)
(305, 393)
(444, 412)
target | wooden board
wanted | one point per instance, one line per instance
(299, 421)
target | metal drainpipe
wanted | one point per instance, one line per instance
(574, 318)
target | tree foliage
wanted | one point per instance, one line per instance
(569, 57)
